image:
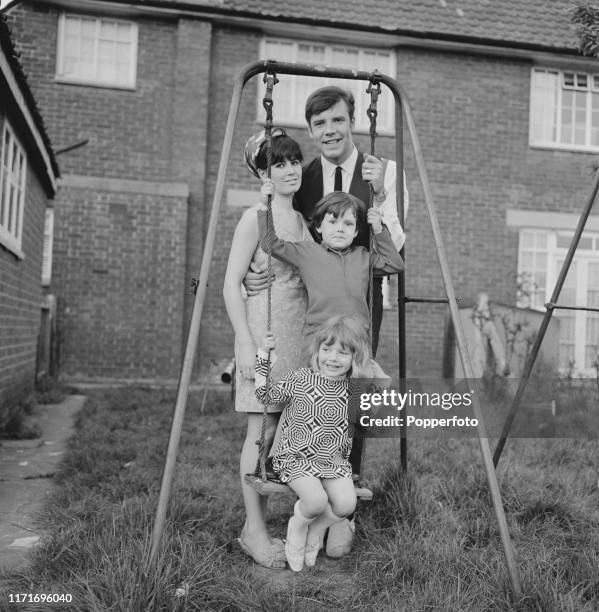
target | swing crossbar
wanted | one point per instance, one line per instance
(551, 306)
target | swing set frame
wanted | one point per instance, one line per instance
(403, 113)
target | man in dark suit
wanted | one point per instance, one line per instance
(341, 167)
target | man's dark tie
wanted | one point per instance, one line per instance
(338, 179)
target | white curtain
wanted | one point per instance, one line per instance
(543, 106)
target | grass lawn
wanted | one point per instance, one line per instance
(427, 542)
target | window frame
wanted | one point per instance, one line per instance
(555, 255)
(386, 129)
(61, 77)
(557, 143)
(48, 247)
(12, 237)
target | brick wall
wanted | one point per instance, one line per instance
(471, 113)
(20, 302)
(121, 225)
(117, 258)
(130, 132)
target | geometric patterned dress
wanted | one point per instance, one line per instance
(315, 437)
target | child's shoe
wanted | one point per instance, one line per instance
(340, 538)
(312, 549)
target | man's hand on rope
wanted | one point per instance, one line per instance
(256, 278)
(373, 216)
(372, 172)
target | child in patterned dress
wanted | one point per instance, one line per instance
(313, 450)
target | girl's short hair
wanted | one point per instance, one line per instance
(351, 331)
(336, 203)
(282, 148)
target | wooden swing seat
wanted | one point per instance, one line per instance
(274, 487)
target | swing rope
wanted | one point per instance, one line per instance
(270, 79)
(374, 89)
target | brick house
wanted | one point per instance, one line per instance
(28, 173)
(507, 113)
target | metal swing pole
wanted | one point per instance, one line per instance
(463, 350)
(550, 306)
(194, 328)
(401, 282)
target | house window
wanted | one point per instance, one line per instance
(96, 51)
(48, 245)
(291, 92)
(564, 110)
(540, 260)
(13, 170)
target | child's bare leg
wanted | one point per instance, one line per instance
(313, 498)
(342, 495)
(254, 534)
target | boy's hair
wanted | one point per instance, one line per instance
(282, 148)
(322, 99)
(336, 203)
(351, 331)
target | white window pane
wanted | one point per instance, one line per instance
(526, 239)
(89, 50)
(86, 51)
(311, 53)
(122, 72)
(123, 33)
(108, 30)
(71, 46)
(106, 51)
(88, 28)
(345, 58)
(106, 72)
(569, 79)
(334, 56)
(543, 104)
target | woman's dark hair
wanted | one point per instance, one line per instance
(282, 148)
(322, 99)
(336, 203)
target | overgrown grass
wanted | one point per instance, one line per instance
(429, 541)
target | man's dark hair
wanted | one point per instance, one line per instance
(282, 148)
(336, 203)
(322, 99)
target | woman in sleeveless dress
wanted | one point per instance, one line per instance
(248, 316)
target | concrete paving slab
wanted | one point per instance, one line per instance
(27, 469)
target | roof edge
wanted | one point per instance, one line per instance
(17, 80)
(215, 11)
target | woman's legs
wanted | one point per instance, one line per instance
(254, 535)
